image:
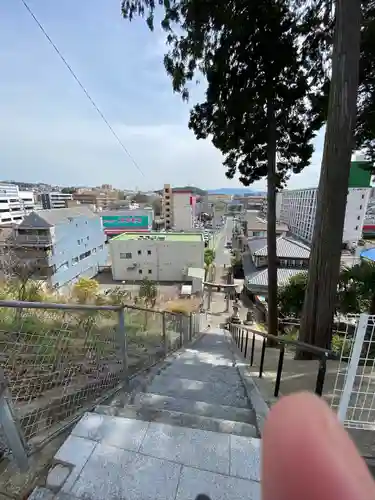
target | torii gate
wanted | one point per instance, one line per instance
(220, 287)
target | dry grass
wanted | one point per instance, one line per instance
(183, 306)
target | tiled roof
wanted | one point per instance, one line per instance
(254, 223)
(256, 244)
(286, 247)
(53, 216)
(260, 278)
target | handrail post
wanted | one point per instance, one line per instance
(262, 357)
(164, 333)
(242, 338)
(246, 342)
(252, 350)
(321, 375)
(123, 342)
(279, 370)
(11, 428)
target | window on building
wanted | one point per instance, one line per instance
(126, 255)
(100, 247)
(79, 242)
(363, 197)
(93, 251)
(85, 255)
(139, 252)
(140, 271)
(88, 237)
(75, 261)
(150, 271)
(358, 218)
(148, 252)
(356, 228)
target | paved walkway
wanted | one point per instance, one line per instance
(174, 453)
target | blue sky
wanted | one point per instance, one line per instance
(50, 132)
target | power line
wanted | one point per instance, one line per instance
(82, 87)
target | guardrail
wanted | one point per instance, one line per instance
(245, 337)
(60, 360)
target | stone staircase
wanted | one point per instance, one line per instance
(190, 430)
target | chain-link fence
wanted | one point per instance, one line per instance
(62, 359)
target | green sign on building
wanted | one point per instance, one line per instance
(360, 174)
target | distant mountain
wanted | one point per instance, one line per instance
(236, 191)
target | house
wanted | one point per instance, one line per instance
(170, 256)
(65, 244)
(292, 256)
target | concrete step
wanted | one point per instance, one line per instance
(149, 400)
(204, 372)
(222, 392)
(179, 419)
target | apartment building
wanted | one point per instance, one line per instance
(100, 199)
(55, 199)
(178, 208)
(298, 210)
(167, 206)
(64, 244)
(157, 256)
(14, 204)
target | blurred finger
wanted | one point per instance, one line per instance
(308, 454)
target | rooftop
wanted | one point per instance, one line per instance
(54, 216)
(260, 278)
(286, 247)
(189, 237)
(254, 223)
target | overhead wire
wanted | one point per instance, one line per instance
(71, 71)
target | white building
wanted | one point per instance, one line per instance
(183, 205)
(14, 204)
(55, 199)
(178, 208)
(298, 209)
(157, 256)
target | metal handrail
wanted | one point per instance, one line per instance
(19, 304)
(238, 334)
(296, 343)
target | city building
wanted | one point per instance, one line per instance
(251, 202)
(293, 258)
(101, 199)
(157, 256)
(64, 244)
(14, 204)
(116, 222)
(178, 208)
(298, 209)
(166, 206)
(55, 199)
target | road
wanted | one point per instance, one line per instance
(223, 255)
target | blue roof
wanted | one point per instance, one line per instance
(368, 254)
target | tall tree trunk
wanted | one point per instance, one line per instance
(324, 268)
(372, 305)
(271, 220)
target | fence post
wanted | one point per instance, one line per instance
(164, 333)
(321, 375)
(359, 337)
(252, 350)
(123, 342)
(11, 428)
(279, 370)
(191, 326)
(262, 357)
